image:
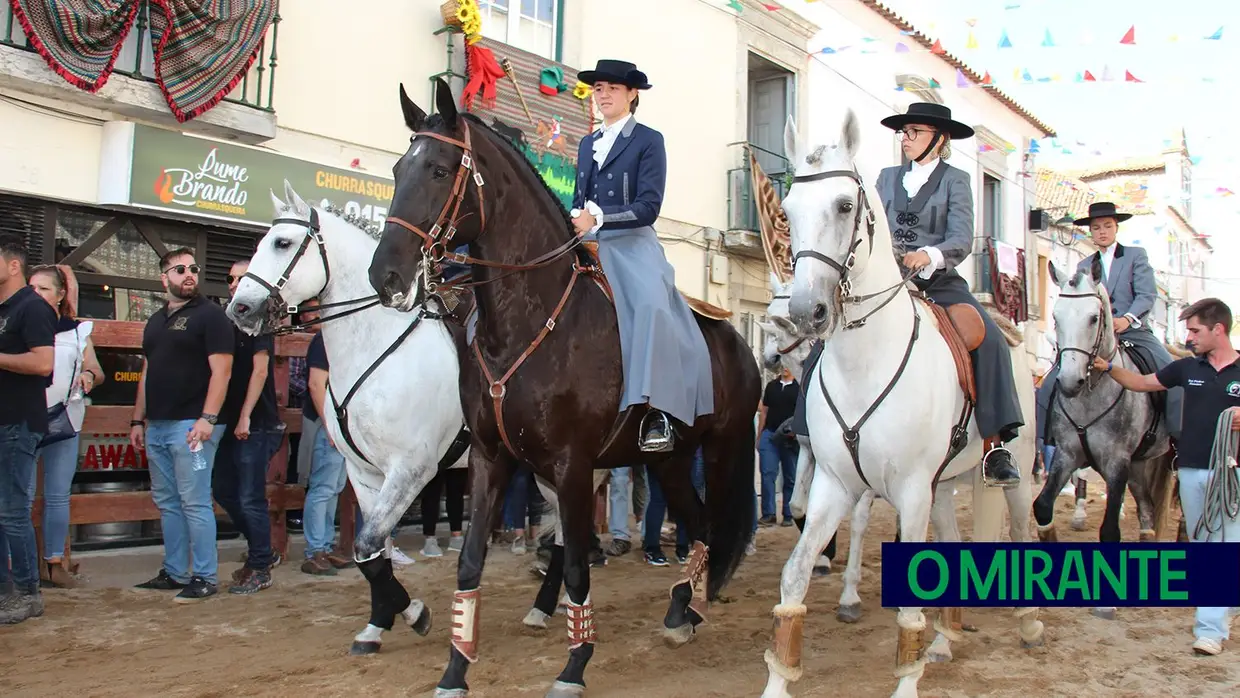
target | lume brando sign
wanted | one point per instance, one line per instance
(168, 171)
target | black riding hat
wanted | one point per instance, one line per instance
(935, 115)
(1102, 209)
(618, 72)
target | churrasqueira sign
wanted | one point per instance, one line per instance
(157, 169)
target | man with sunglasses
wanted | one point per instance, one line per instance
(188, 350)
(252, 437)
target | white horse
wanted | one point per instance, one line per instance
(394, 381)
(835, 215)
(785, 347)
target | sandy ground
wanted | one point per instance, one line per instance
(111, 640)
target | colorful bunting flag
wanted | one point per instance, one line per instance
(972, 42)
(769, 7)
(1196, 159)
(1026, 76)
(1129, 77)
(1089, 77)
(827, 49)
(1033, 146)
(901, 47)
(1079, 78)
(934, 84)
(1004, 41)
(986, 79)
(1130, 37)
(1216, 36)
(1046, 40)
(736, 5)
(937, 48)
(961, 80)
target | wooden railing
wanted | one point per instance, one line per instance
(115, 507)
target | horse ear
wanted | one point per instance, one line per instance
(277, 203)
(414, 117)
(1054, 273)
(294, 201)
(445, 103)
(792, 146)
(1095, 273)
(850, 135)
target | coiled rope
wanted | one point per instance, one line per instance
(1222, 498)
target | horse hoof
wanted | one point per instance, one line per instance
(422, 625)
(1104, 613)
(1078, 524)
(362, 649)
(850, 613)
(560, 689)
(535, 619)
(939, 657)
(679, 637)
(451, 693)
(1030, 644)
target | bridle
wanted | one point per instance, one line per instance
(1098, 339)
(275, 290)
(845, 268)
(784, 351)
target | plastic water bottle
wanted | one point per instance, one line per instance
(199, 460)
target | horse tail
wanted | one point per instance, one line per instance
(1162, 483)
(730, 502)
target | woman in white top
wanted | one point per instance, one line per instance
(76, 373)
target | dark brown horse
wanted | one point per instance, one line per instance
(541, 383)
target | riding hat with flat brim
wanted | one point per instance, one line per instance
(1102, 209)
(616, 72)
(935, 115)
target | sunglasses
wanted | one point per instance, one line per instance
(232, 278)
(180, 269)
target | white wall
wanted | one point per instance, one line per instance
(44, 154)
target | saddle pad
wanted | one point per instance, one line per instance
(964, 364)
(706, 310)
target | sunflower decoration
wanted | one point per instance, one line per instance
(582, 90)
(471, 20)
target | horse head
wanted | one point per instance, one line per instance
(783, 346)
(437, 203)
(1083, 327)
(837, 234)
(289, 266)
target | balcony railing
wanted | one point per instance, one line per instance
(742, 206)
(136, 59)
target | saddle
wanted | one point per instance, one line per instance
(699, 307)
(962, 328)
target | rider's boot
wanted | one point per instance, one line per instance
(998, 470)
(656, 432)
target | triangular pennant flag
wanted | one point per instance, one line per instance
(827, 49)
(1047, 40)
(1106, 74)
(972, 42)
(769, 7)
(1130, 37)
(1089, 77)
(1129, 77)
(901, 47)
(1216, 36)
(986, 79)
(1015, 73)
(1056, 77)
(1004, 41)
(961, 80)
(1026, 76)
(1033, 145)
(1173, 39)
(736, 5)
(972, 21)
(934, 84)
(1196, 159)
(1079, 78)
(937, 48)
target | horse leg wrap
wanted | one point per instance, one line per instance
(784, 657)
(1047, 533)
(580, 624)
(1148, 536)
(910, 647)
(465, 623)
(387, 596)
(695, 574)
(950, 623)
(1031, 629)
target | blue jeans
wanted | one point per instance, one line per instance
(620, 502)
(520, 501)
(240, 486)
(327, 478)
(17, 469)
(1211, 622)
(60, 461)
(777, 455)
(183, 496)
(656, 509)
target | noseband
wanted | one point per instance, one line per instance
(800, 340)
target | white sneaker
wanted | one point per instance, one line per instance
(750, 549)
(1207, 646)
(431, 548)
(518, 546)
(456, 544)
(399, 558)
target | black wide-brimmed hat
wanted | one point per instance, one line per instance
(1102, 209)
(618, 72)
(930, 114)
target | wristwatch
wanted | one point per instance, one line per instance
(210, 418)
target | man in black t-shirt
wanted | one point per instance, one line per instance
(27, 357)
(240, 484)
(188, 347)
(1211, 383)
(777, 453)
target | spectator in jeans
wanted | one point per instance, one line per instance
(453, 480)
(656, 511)
(240, 477)
(327, 471)
(77, 373)
(518, 503)
(188, 350)
(777, 453)
(620, 504)
(27, 358)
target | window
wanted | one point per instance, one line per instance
(529, 25)
(1186, 187)
(992, 207)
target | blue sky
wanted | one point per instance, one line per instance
(1189, 82)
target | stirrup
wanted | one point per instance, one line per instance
(1006, 484)
(655, 443)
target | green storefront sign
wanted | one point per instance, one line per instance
(173, 172)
